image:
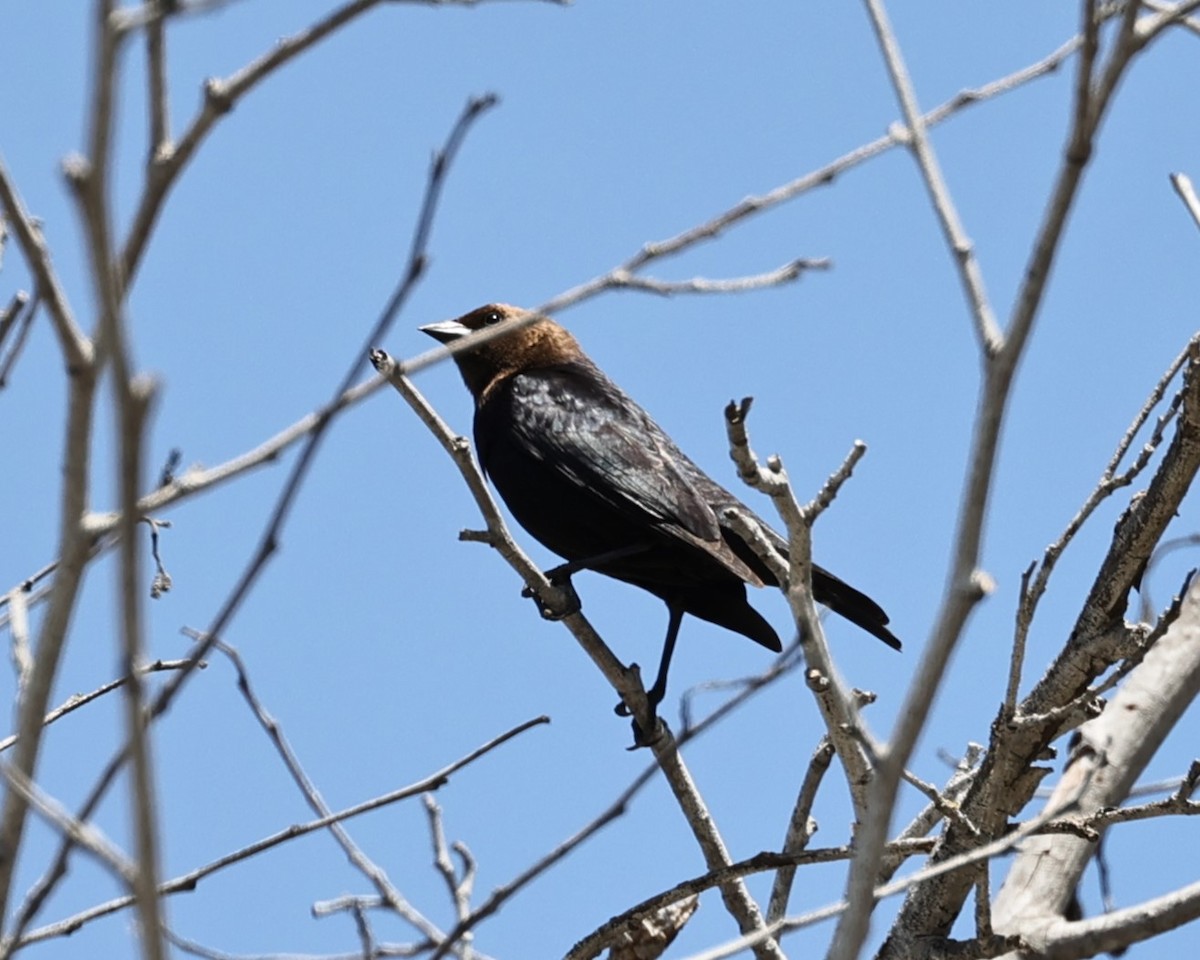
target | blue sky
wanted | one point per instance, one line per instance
(385, 647)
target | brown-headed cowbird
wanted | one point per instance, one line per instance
(586, 471)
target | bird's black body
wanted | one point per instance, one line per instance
(587, 472)
(590, 475)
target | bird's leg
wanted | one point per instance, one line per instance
(560, 577)
(655, 695)
(566, 570)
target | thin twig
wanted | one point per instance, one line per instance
(18, 344)
(375, 874)
(1191, 23)
(837, 707)
(188, 881)
(196, 480)
(76, 348)
(1034, 587)
(897, 135)
(22, 654)
(77, 700)
(1187, 193)
(459, 889)
(86, 835)
(920, 825)
(414, 270)
(963, 251)
(8, 316)
(158, 103)
(801, 827)
(751, 206)
(220, 97)
(834, 483)
(625, 280)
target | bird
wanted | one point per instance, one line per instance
(590, 475)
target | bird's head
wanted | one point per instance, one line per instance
(524, 341)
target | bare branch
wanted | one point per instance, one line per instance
(845, 727)
(1187, 193)
(958, 784)
(801, 827)
(375, 874)
(76, 348)
(621, 279)
(459, 889)
(187, 882)
(1032, 588)
(978, 855)
(197, 479)
(77, 700)
(268, 541)
(598, 940)
(1114, 931)
(751, 206)
(25, 324)
(1151, 25)
(220, 97)
(85, 835)
(158, 102)
(1161, 6)
(133, 407)
(74, 546)
(1121, 741)
(963, 251)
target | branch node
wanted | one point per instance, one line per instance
(816, 680)
(218, 95)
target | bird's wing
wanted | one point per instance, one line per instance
(581, 424)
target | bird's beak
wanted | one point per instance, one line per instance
(445, 332)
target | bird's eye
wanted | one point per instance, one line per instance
(493, 317)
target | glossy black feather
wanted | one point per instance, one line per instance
(587, 472)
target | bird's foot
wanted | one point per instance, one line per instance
(641, 739)
(656, 726)
(566, 603)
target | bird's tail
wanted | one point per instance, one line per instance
(852, 604)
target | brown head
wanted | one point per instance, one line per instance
(537, 342)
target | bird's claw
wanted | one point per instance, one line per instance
(567, 602)
(640, 740)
